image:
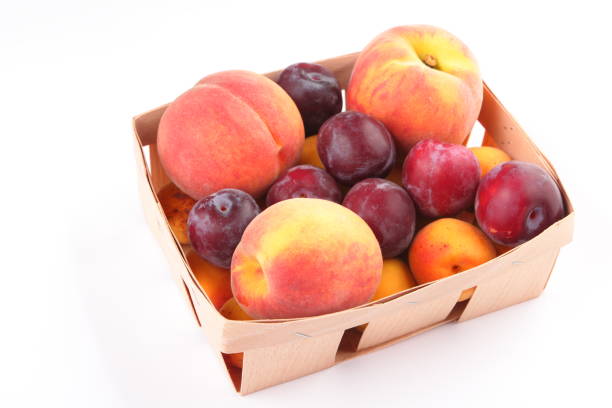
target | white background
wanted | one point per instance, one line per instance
(89, 314)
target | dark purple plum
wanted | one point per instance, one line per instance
(354, 146)
(516, 201)
(388, 209)
(304, 181)
(216, 223)
(315, 91)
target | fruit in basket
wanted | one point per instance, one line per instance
(467, 216)
(395, 278)
(395, 175)
(234, 129)
(354, 146)
(176, 205)
(304, 181)
(216, 224)
(315, 91)
(388, 210)
(441, 178)
(421, 82)
(305, 257)
(448, 246)
(489, 157)
(231, 310)
(309, 153)
(516, 201)
(215, 281)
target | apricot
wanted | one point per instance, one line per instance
(215, 281)
(176, 205)
(448, 246)
(395, 278)
(489, 157)
(305, 257)
(234, 129)
(309, 153)
(421, 82)
(231, 310)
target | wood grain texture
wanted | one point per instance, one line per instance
(268, 366)
(409, 319)
(525, 280)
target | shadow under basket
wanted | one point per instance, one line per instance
(275, 351)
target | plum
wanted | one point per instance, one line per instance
(315, 91)
(216, 223)
(441, 178)
(354, 146)
(304, 181)
(387, 209)
(516, 201)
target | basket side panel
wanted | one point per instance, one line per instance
(155, 218)
(409, 319)
(267, 366)
(525, 281)
(159, 179)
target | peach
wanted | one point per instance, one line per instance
(231, 310)
(215, 281)
(309, 153)
(448, 246)
(421, 82)
(234, 129)
(305, 257)
(176, 205)
(489, 157)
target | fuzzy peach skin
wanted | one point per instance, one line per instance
(215, 281)
(231, 310)
(448, 246)
(234, 129)
(421, 82)
(305, 257)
